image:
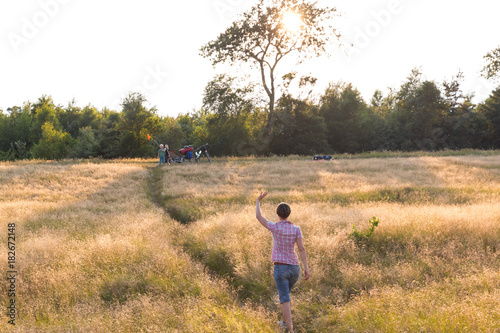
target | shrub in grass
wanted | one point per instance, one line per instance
(361, 238)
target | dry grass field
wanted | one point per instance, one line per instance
(123, 246)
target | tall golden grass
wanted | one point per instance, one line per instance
(94, 254)
(432, 264)
(99, 251)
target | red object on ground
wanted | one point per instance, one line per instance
(185, 150)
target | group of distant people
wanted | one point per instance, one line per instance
(164, 155)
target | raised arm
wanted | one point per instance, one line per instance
(258, 214)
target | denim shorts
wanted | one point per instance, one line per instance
(285, 277)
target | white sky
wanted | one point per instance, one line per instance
(97, 51)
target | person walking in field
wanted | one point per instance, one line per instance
(161, 155)
(286, 261)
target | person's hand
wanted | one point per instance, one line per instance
(262, 196)
(306, 275)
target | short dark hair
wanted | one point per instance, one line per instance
(283, 210)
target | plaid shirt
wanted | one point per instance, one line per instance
(284, 236)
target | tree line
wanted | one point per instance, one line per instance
(277, 116)
(419, 115)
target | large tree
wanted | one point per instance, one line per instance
(5, 130)
(299, 128)
(419, 110)
(226, 109)
(108, 134)
(270, 31)
(462, 125)
(344, 112)
(44, 110)
(53, 144)
(491, 110)
(491, 107)
(136, 122)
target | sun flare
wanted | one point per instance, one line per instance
(292, 22)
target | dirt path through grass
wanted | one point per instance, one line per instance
(97, 254)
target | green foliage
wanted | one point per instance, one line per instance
(490, 109)
(187, 122)
(21, 149)
(107, 135)
(42, 112)
(54, 144)
(491, 69)
(418, 112)
(418, 116)
(463, 126)
(73, 118)
(299, 128)
(223, 97)
(261, 38)
(136, 122)
(260, 33)
(4, 129)
(348, 119)
(14, 138)
(86, 144)
(171, 133)
(21, 120)
(226, 111)
(9, 155)
(361, 238)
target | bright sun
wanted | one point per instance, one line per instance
(292, 22)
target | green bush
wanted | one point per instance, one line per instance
(362, 238)
(53, 144)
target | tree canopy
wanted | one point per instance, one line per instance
(491, 69)
(270, 31)
(419, 115)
